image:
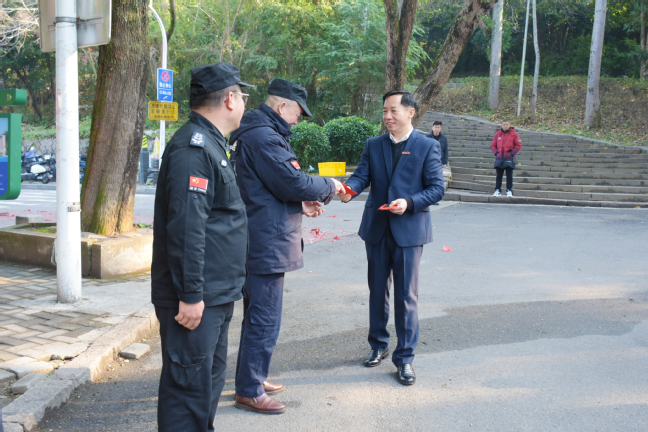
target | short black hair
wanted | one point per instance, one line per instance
(506, 121)
(437, 123)
(407, 100)
(211, 100)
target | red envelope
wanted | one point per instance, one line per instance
(385, 207)
(348, 190)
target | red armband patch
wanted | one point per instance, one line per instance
(295, 164)
(198, 184)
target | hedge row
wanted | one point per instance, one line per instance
(340, 140)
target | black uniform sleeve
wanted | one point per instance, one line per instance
(190, 190)
(279, 172)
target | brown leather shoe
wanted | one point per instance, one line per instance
(273, 388)
(263, 404)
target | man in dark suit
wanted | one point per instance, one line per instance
(404, 171)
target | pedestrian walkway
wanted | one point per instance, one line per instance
(34, 326)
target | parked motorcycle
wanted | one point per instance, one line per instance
(34, 168)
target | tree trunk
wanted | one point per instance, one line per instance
(592, 100)
(524, 47)
(643, 74)
(399, 17)
(172, 17)
(463, 28)
(32, 96)
(536, 73)
(118, 117)
(496, 55)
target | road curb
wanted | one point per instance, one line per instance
(23, 414)
(142, 190)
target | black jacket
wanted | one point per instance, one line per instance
(444, 146)
(200, 227)
(273, 187)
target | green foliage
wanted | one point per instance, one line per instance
(310, 143)
(348, 136)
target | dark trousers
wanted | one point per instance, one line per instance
(259, 331)
(385, 259)
(193, 369)
(509, 178)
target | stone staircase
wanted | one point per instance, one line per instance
(553, 169)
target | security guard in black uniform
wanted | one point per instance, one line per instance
(200, 238)
(276, 193)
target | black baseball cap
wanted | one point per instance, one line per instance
(288, 90)
(215, 76)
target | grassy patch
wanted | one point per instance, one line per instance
(46, 230)
(561, 105)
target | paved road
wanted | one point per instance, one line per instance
(536, 320)
(43, 202)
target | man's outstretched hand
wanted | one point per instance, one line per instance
(339, 189)
(312, 208)
(190, 314)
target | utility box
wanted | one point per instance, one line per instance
(11, 144)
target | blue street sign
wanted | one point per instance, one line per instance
(165, 85)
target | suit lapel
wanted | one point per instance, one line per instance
(386, 145)
(413, 139)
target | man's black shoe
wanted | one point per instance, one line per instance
(375, 357)
(406, 375)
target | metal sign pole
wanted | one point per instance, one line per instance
(164, 66)
(68, 206)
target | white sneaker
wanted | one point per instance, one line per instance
(509, 194)
(497, 193)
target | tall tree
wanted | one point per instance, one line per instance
(108, 193)
(399, 16)
(643, 74)
(536, 73)
(592, 99)
(496, 55)
(462, 29)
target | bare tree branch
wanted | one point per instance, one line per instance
(18, 22)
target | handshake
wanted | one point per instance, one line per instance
(314, 208)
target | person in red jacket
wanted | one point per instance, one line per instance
(505, 146)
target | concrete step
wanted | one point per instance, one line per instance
(555, 194)
(584, 148)
(486, 164)
(541, 154)
(642, 184)
(527, 172)
(526, 185)
(466, 196)
(552, 161)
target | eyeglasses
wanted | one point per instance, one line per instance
(244, 96)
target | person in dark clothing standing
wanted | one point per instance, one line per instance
(437, 135)
(200, 237)
(276, 194)
(506, 144)
(404, 170)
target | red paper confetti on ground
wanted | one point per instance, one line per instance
(447, 248)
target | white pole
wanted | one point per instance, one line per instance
(526, 31)
(164, 66)
(68, 206)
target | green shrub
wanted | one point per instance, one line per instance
(310, 144)
(347, 136)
